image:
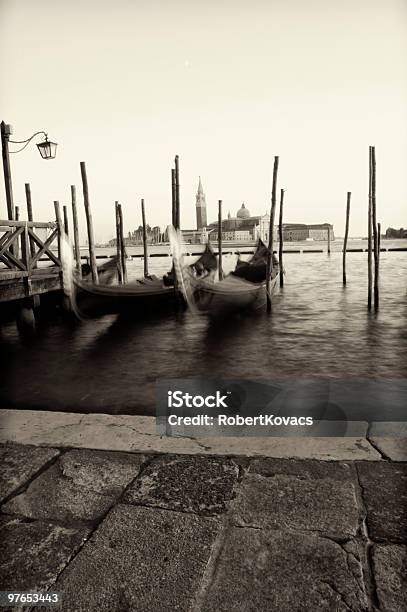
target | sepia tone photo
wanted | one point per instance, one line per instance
(203, 305)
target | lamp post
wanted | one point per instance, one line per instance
(46, 148)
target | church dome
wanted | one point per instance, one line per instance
(243, 212)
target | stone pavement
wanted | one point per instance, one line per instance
(120, 531)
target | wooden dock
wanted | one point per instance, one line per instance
(21, 250)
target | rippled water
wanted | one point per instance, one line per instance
(317, 329)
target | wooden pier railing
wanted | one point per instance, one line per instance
(21, 250)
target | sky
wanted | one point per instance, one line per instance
(225, 84)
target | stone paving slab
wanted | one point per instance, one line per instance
(388, 429)
(139, 434)
(191, 484)
(303, 468)
(140, 559)
(323, 506)
(390, 571)
(80, 486)
(34, 553)
(384, 491)
(18, 463)
(393, 448)
(279, 572)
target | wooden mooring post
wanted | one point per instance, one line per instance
(375, 234)
(118, 244)
(345, 240)
(66, 221)
(30, 215)
(59, 224)
(269, 270)
(145, 252)
(8, 185)
(328, 250)
(220, 269)
(177, 195)
(369, 237)
(91, 242)
(122, 246)
(173, 199)
(280, 239)
(76, 231)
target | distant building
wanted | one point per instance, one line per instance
(200, 205)
(242, 228)
(154, 236)
(320, 231)
(396, 233)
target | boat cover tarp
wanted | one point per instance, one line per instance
(255, 269)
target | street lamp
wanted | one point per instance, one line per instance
(46, 148)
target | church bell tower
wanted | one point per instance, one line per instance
(200, 207)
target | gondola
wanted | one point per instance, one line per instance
(245, 288)
(138, 298)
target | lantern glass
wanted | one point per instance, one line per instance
(47, 149)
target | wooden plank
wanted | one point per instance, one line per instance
(11, 239)
(10, 261)
(13, 223)
(17, 289)
(44, 248)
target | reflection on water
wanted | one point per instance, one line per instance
(317, 329)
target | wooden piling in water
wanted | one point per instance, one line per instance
(375, 236)
(328, 250)
(76, 231)
(271, 233)
(60, 226)
(89, 223)
(118, 244)
(280, 239)
(345, 240)
(143, 217)
(369, 236)
(66, 222)
(177, 195)
(173, 199)
(30, 216)
(220, 269)
(122, 247)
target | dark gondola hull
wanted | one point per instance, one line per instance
(230, 296)
(135, 299)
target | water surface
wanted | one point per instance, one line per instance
(317, 329)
